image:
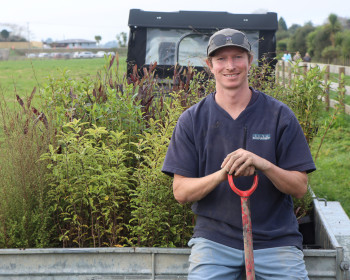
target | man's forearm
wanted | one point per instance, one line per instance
(288, 182)
(193, 189)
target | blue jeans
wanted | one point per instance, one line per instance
(211, 260)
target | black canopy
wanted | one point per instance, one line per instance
(156, 36)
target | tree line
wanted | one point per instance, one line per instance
(6, 36)
(329, 43)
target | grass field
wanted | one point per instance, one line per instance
(335, 78)
(331, 180)
(22, 75)
(334, 95)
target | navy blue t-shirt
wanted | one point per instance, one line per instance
(206, 133)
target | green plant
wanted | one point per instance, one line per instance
(89, 186)
(24, 219)
(157, 219)
(304, 95)
(105, 101)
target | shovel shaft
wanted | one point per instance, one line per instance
(247, 225)
(248, 239)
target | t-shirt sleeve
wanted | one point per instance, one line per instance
(293, 152)
(181, 157)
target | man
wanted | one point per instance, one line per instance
(208, 142)
(287, 57)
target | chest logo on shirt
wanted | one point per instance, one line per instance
(261, 137)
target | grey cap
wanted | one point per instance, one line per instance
(227, 37)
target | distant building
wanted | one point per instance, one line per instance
(74, 44)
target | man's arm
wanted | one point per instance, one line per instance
(239, 163)
(289, 182)
(187, 189)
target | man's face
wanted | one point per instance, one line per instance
(230, 66)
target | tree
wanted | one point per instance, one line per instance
(281, 45)
(328, 41)
(297, 41)
(330, 53)
(293, 28)
(98, 38)
(346, 45)
(17, 33)
(282, 24)
(5, 34)
(342, 42)
(318, 40)
(310, 43)
(122, 39)
(334, 26)
(282, 32)
(48, 41)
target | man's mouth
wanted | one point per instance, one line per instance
(230, 75)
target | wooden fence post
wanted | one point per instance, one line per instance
(341, 88)
(289, 74)
(277, 73)
(326, 79)
(305, 69)
(283, 73)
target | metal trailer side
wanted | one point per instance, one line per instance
(327, 263)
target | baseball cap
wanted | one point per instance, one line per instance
(227, 37)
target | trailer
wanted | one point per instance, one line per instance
(326, 259)
(181, 38)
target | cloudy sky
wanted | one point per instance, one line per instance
(82, 19)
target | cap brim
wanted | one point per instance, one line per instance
(227, 45)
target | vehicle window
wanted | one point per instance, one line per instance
(193, 50)
(161, 46)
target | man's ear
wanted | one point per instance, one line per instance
(209, 63)
(251, 61)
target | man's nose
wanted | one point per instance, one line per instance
(230, 64)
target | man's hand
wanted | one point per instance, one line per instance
(243, 163)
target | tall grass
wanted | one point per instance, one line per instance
(24, 219)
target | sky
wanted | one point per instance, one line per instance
(82, 19)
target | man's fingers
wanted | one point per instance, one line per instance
(244, 169)
(239, 163)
